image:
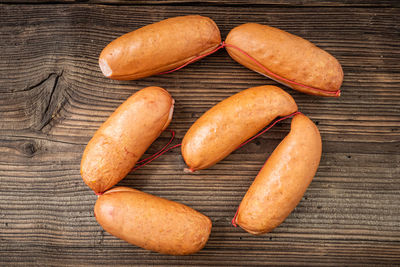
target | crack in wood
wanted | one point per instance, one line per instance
(52, 93)
(39, 83)
(46, 114)
(55, 101)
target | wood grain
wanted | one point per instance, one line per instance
(53, 97)
(314, 3)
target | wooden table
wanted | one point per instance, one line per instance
(53, 97)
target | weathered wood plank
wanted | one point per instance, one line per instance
(341, 3)
(53, 98)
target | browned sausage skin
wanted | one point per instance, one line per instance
(124, 137)
(152, 222)
(283, 180)
(159, 47)
(288, 56)
(225, 126)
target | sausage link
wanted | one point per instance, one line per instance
(152, 222)
(225, 126)
(124, 137)
(159, 47)
(283, 180)
(288, 56)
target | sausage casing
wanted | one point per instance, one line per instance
(152, 222)
(159, 47)
(225, 126)
(283, 180)
(286, 55)
(125, 136)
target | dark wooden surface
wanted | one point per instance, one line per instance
(53, 97)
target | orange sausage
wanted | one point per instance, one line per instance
(225, 126)
(152, 222)
(283, 180)
(125, 136)
(159, 47)
(286, 55)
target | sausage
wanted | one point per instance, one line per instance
(288, 56)
(225, 126)
(159, 47)
(124, 137)
(152, 222)
(283, 180)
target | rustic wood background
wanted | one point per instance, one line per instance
(53, 97)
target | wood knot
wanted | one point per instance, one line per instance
(29, 148)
